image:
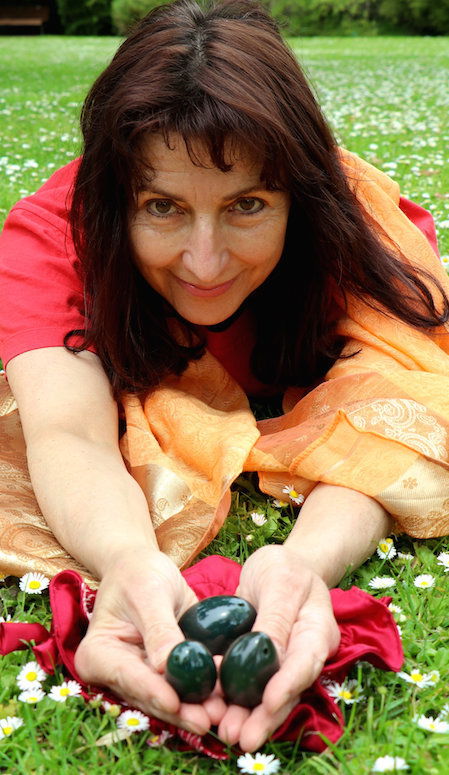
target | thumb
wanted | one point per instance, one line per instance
(160, 630)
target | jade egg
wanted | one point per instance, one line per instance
(217, 621)
(191, 671)
(247, 667)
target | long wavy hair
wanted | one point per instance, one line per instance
(215, 74)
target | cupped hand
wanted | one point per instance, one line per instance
(294, 609)
(132, 630)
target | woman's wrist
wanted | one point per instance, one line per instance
(337, 529)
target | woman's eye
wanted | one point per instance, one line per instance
(248, 205)
(161, 207)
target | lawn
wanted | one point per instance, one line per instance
(388, 100)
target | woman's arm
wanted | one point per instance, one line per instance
(100, 515)
(337, 528)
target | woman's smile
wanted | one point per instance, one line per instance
(202, 238)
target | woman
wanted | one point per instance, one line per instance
(222, 245)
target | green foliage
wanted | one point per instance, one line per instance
(125, 13)
(318, 17)
(85, 17)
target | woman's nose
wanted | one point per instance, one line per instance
(205, 254)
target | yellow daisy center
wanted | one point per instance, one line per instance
(416, 676)
(424, 583)
(432, 725)
(32, 699)
(293, 494)
(31, 676)
(258, 767)
(7, 730)
(133, 722)
(346, 694)
(385, 546)
(34, 584)
(64, 692)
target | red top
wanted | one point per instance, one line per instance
(42, 294)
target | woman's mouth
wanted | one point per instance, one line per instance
(205, 292)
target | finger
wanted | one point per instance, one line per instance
(231, 725)
(260, 726)
(277, 614)
(122, 668)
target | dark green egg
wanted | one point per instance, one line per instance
(191, 671)
(247, 667)
(217, 621)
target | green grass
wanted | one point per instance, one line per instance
(388, 100)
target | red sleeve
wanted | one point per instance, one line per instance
(41, 292)
(422, 219)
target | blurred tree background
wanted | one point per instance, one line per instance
(296, 17)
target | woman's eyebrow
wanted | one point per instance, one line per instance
(148, 188)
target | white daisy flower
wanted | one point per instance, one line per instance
(420, 680)
(134, 720)
(386, 549)
(111, 708)
(30, 676)
(443, 559)
(293, 494)
(396, 610)
(424, 581)
(389, 764)
(31, 696)
(155, 741)
(64, 690)
(8, 725)
(431, 724)
(258, 518)
(7, 619)
(260, 763)
(34, 583)
(279, 504)
(348, 691)
(405, 556)
(382, 582)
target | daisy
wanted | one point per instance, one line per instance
(421, 680)
(258, 518)
(405, 556)
(293, 494)
(133, 720)
(386, 549)
(424, 581)
(30, 676)
(34, 583)
(111, 708)
(389, 764)
(31, 696)
(64, 690)
(349, 691)
(155, 741)
(396, 610)
(9, 724)
(382, 582)
(7, 619)
(431, 724)
(443, 559)
(279, 504)
(260, 762)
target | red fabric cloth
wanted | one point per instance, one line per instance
(368, 632)
(42, 293)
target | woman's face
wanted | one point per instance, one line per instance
(202, 238)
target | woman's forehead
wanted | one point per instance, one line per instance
(174, 154)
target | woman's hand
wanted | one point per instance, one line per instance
(295, 610)
(133, 628)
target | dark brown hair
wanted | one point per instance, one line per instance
(215, 74)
